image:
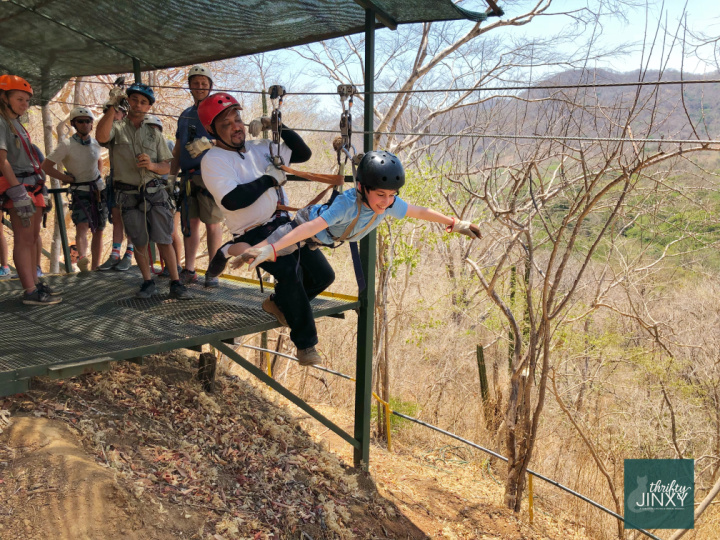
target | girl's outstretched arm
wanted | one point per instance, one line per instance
(426, 214)
(263, 252)
(453, 225)
(301, 232)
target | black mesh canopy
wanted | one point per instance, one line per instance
(50, 41)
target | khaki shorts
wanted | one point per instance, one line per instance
(201, 204)
(147, 217)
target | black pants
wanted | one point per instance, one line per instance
(296, 284)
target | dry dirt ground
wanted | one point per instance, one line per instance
(141, 452)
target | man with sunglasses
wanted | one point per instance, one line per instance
(80, 156)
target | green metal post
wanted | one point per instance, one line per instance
(136, 70)
(368, 245)
(60, 217)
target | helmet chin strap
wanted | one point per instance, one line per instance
(363, 196)
(9, 106)
(237, 148)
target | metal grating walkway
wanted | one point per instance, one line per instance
(99, 317)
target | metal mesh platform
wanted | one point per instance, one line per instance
(99, 317)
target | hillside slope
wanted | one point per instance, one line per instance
(141, 452)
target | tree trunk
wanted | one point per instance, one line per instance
(381, 341)
(56, 245)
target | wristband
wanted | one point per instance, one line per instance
(450, 227)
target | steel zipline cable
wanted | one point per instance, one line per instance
(539, 86)
(503, 136)
(469, 443)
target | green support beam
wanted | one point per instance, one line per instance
(136, 70)
(272, 383)
(63, 371)
(379, 13)
(368, 247)
(14, 386)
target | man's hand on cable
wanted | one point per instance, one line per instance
(116, 97)
(256, 256)
(277, 174)
(258, 125)
(144, 162)
(466, 228)
(198, 146)
(23, 204)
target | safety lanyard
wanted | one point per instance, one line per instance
(346, 235)
(277, 92)
(346, 92)
(30, 154)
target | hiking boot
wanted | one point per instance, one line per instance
(269, 306)
(44, 287)
(308, 357)
(124, 264)
(179, 291)
(211, 282)
(147, 289)
(39, 298)
(4, 272)
(186, 276)
(111, 263)
(84, 264)
(217, 265)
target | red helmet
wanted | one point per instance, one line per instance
(13, 82)
(213, 105)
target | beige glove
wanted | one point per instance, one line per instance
(23, 204)
(198, 146)
(259, 124)
(277, 174)
(466, 228)
(257, 256)
(116, 97)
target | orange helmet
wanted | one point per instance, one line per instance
(13, 82)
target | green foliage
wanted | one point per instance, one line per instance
(408, 408)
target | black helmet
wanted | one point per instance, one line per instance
(381, 170)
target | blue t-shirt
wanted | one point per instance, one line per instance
(188, 118)
(343, 211)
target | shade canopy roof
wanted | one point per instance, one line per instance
(50, 41)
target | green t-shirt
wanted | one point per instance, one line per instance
(126, 143)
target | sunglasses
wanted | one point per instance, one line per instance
(85, 121)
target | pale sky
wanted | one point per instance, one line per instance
(702, 16)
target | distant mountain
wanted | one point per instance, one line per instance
(665, 109)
